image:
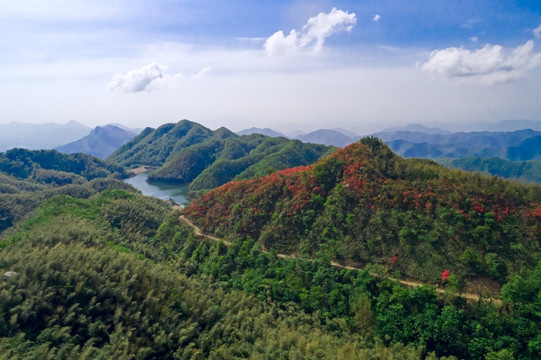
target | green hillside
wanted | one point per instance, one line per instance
(110, 274)
(217, 161)
(96, 270)
(365, 205)
(187, 152)
(156, 146)
(524, 171)
(51, 165)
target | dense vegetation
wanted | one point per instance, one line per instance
(24, 163)
(187, 152)
(156, 146)
(370, 306)
(27, 178)
(118, 275)
(524, 171)
(364, 204)
(93, 269)
(509, 155)
(105, 277)
(217, 161)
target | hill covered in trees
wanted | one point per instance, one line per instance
(524, 171)
(99, 271)
(187, 152)
(96, 270)
(51, 165)
(363, 204)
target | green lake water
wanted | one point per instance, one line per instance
(160, 190)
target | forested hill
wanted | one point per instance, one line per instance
(524, 171)
(94, 270)
(156, 146)
(187, 152)
(364, 204)
(98, 271)
(53, 166)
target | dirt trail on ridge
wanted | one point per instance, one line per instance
(410, 283)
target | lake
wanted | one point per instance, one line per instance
(158, 189)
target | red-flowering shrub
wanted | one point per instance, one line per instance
(445, 275)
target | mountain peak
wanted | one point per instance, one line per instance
(364, 204)
(101, 142)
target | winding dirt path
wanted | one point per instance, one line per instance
(410, 283)
(198, 231)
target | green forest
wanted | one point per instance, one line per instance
(365, 205)
(523, 171)
(189, 153)
(90, 268)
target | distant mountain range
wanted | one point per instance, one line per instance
(518, 145)
(187, 152)
(413, 140)
(40, 136)
(329, 137)
(70, 137)
(524, 171)
(265, 131)
(416, 128)
(507, 154)
(512, 125)
(101, 142)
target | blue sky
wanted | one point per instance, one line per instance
(359, 65)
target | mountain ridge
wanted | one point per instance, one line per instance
(101, 142)
(363, 204)
(40, 136)
(187, 152)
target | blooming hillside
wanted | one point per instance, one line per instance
(363, 204)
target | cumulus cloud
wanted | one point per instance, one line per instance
(144, 79)
(313, 34)
(201, 73)
(490, 64)
(537, 32)
(376, 17)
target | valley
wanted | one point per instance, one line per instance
(369, 254)
(270, 180)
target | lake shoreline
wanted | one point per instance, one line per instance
(163, 191)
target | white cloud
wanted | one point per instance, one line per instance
(144, 79)
(490, 64)
(201, 73)
(474, 39)
(537, 32)
(376, 17)
(313, 34)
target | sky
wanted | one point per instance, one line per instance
(360, 65)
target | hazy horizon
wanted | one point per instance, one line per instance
(284, 65)
(294, 129)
